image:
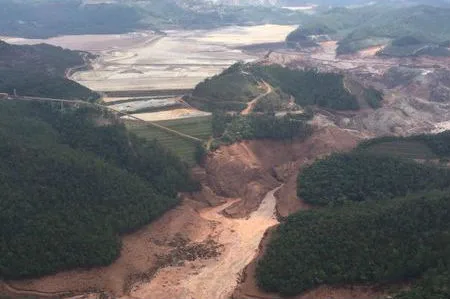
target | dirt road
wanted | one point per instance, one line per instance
(251, 104)
(218, 277)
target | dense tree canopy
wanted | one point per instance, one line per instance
(309, 87)
(439, 144)
(228, 129)
(241, 83)
(39, 70)
(359, 177)
(385, 220)
(382, 241)
(73, 181)
(265, 126)
(230, 90)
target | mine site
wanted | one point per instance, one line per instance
(273, 151)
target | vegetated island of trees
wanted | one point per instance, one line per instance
(408, 31)
(309, 87)
(384, 220)
(228, 91)
(228, 129)
(362, 176)
(438, 144)
(238, 85)
(39, 70)
(71, 182)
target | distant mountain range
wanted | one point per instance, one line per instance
(321, 2)
(48, 18)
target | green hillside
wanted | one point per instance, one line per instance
(71, 182)
(236, 86)
(309, 87)
(383, 220)
(184, 148)
(375, 242)
(39, 70)
(230, 90)
(360, 177)
(361, 27)
(259, 126)
(423, 147)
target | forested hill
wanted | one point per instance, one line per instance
(39, 70)
(71, 182)
(408, 31)
(380, 219)
(241, 83)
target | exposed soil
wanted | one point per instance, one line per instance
(416, 95)
(199, 249)
(192, 243)
(214, 278)
(141, 255)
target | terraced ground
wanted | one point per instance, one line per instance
(199, 127)
(403, 148)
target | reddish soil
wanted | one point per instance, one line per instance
(244, 172)
(324, 142)
(138, 260)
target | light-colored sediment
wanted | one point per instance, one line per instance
(179, 60)
(148, 61)
(218, 277)
(243, 171)
(178, 113)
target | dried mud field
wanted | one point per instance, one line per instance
(178, 60)
(148, 61)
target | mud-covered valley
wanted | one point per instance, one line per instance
(200, 248)
(204, 247)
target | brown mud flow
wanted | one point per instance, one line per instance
(199, 249)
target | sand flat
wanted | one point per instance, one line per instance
(149, 61)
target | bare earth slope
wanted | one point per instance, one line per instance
(246, 173)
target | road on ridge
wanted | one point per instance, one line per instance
(252, 103)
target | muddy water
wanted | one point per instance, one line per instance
(218, 277)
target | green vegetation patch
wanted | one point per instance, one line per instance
(264, 126)
(384, 220)
(228, 129)
(277, 100)
(71, 182)
(402, 148)
(230, 90)
(199, 127)
(360, 177)
(422, 147)
(373, 97)
(383, 241)
(412, 46)
(309, 87)
(39, 70)
(241, 83)
(361, 27)
(367, 96)
(183, 147)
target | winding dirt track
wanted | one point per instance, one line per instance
(215, 278)
(252, 103)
